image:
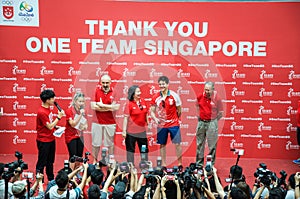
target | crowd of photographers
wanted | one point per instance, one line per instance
(109, 179)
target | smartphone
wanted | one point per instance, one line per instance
(170, 177)
(228, 180)
(27, 175)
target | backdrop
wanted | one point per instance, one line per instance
(250, 50)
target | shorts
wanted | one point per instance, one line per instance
(108, 132)
(162, 135)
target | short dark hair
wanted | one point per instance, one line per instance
(1, 168)
(237, 193)
(236, 172)
(131, 92)
(164, 79)
(94, 192)
(292, 181)
(62, 179)
(97, 176)
(47, 94)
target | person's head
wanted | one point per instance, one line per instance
(245, 188)
(209, 88)
(163, 83)
(291, 181)
(94, 192)
(78, 100)
(236, 172)
(1, 169)
(62, 179)
(140, 193)
(237, 193)
(119, 190)
(97, 176)
(47, 96)
(105, 82)
(19, 188)
(277, 193)
(134, 92)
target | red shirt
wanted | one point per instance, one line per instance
(298, 115)
(167, 109)
(209, 107)
(105, 117)
(70, 133)
(44, 116)
(137, 120)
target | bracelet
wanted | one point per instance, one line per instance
(255, 185)
(296, 186)
(58, 118)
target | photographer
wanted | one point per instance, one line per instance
(297, 183)
(19, 188)
(291, 187)
(166, 191)
(60, 190)
(2, 184)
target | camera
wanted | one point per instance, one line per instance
(80, 159)
(124, 167)
(103, 161)
(263, 174)
(10, 168)
(158, 162)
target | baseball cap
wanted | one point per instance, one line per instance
(18, 187)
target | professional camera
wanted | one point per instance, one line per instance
(209, 166)
(263, 174)
(80, 159)
(12, 167)
(151, 181)
(103, 161)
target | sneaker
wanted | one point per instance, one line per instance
(296, 161)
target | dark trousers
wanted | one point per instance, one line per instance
(46, 157)
(130, 140)
(298, 135)
(75, 147)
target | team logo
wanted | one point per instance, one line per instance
(17, 71)
(181, 91)
(16, 140)
(290, 111)
(236, 92)
(234, 144)
(44, 71)
(235, 127)
(44, 87)
(17, 122)
(264, 93)
(292, 93)
(154, 73)
(209, 74)
(265, 75)
(17, 88)
(72, 89)
(263, 111)
(127, 73)
(152, 90)
(262, 145)
(17, 106)
(261, 127)
(72, 71)
(237, 75)
(290, 146)
(293, 75)
(8, 12)
(290, 128)
(235, 110)
(100, 73)
(180, 74)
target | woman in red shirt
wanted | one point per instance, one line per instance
(135, 123)
(76, 123)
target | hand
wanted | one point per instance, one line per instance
(39, 176)
(297, 177)
(82, 111)
(124, 134)
(61, 113)
(156, 120)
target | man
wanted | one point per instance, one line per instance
(168, 106)
(105, 106)
(210, 109)
(60, 190)
(2, 183)
(45, 126)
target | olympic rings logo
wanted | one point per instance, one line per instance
(27, 19)
(7, 2)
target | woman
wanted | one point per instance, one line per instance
(76, 123)
(134, 124)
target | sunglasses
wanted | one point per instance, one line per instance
(163, 103)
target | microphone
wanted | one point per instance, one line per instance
(82, 108)
(57, 106)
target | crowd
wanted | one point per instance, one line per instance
(109, 179)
